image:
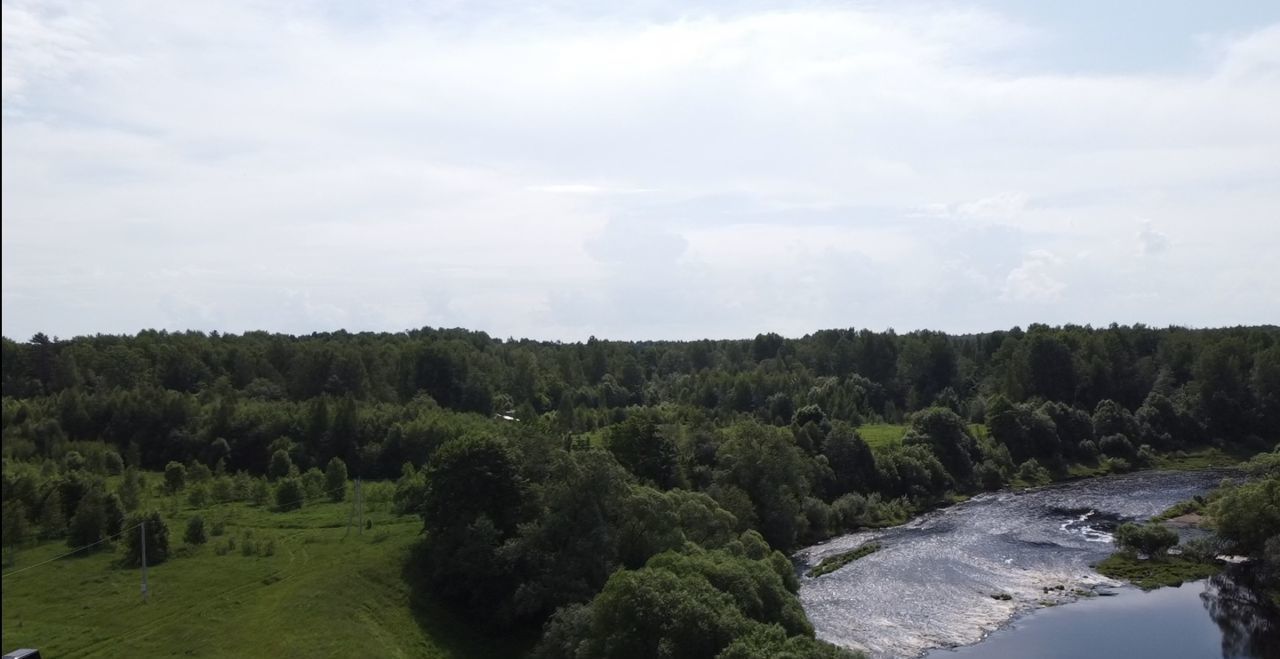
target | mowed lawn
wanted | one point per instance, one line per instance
(322, 593)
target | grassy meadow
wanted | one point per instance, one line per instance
(880, 436)
(272, 584)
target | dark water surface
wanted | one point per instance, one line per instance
(932, 584)
(1170, 623)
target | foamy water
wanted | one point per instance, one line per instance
(932, 582)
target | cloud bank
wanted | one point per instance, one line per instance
(570, 170)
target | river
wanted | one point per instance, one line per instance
(953, 577)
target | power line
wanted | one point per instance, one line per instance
(73, 551)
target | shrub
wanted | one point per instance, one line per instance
(1154, 540)
(1031, 473)
(247, 546)
(175, 477)
(1116, 465)
(113, 463)
(850, 511)
(1202, 550)
(335, 479)
(313, 483)
(1117, 446)
(988, 475)
(1146, 456)
(280, 466)
(73, 461)
(289, 495)
(223, 490)
(260, 492)
(198, 496)
(195, 531)
(198, 472)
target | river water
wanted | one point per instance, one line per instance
(932, 583)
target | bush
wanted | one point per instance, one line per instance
(335, 480)
(198, 496)
(198, 472)
(113, 463)
(280, 466)
(195, 531)
(850, 511)
(988, 475)
(1116, 465)
(1117, 446)
(247, 546)
(175, 477)
(1202, 550)
(260, 492)
(73, 461)
(289, 495)
(219, 527)
(313, 483)
(223, 489)
(1031, 473)
(1154, 540)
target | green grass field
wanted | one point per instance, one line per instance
(322, 593)
(882, 435)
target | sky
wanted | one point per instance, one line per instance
(667, 170)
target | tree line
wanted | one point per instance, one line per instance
(584, 489)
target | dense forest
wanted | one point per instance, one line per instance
(626, 498)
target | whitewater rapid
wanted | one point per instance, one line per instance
(951, 577)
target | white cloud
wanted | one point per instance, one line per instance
(570, 171)
(1035, 279)
(1151, 241)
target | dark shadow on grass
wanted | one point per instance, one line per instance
(457, 635)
